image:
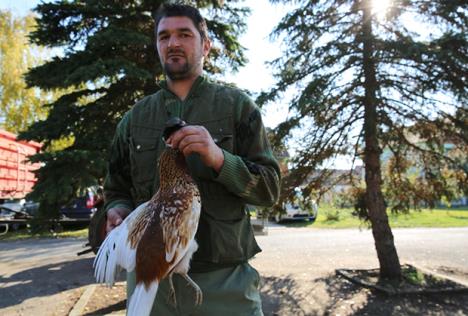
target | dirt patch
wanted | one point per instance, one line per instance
(105, 300)
(414, 280)
(335, 295)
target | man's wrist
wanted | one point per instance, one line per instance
(219, 161)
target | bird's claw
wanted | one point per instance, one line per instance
(198, 291)
(198, 296)
(172, 296)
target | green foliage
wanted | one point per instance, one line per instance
(332, 215)
(109, 63)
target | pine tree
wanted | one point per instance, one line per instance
(366, 83)
(110, 60)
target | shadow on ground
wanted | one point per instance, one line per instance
(335, 295)
(117, 307)
(45, 280)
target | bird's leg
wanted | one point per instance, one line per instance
(198, 291)
(172, 297)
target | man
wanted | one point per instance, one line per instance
(228, 154)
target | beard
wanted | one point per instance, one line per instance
(182, 69)
(177, 71)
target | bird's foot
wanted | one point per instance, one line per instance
(198, 291)
(171, 297)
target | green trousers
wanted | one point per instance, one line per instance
(229, 291)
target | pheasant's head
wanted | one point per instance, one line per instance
(172, 166)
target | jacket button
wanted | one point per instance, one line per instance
(138, 147)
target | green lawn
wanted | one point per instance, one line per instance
(76, 232)
(330, 217)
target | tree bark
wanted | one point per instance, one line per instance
(375, 204)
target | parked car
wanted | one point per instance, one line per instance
(9, 214)
(85, 205)
(30, 207)
(295, 212)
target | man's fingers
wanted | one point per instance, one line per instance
(115, 217)
(191, 139)
(193, 148)
(184, 132)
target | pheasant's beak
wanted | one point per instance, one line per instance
(167, 144)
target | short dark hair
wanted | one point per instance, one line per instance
(173, 10)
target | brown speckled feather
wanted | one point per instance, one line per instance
(162, 232)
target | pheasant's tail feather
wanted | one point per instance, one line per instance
(115, 252)
(141, 301)
(105, 265)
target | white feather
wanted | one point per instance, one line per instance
(115, 251)
(142, 299)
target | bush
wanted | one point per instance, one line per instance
(332, 216)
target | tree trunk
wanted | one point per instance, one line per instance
(375, 204)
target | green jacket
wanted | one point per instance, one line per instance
(250, 173)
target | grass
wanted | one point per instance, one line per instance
(69, 232)
(328, 217)
(331, 217)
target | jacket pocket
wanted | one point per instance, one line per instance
(225, 241)
(143, 158)
(221, 130)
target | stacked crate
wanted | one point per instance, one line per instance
(16, 173)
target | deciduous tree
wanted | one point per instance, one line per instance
(19, 106)
(365, 83)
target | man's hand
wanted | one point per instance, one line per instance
(115, 217)
(196, 139)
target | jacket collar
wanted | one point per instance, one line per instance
(195, 90)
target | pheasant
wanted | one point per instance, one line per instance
(157, 238)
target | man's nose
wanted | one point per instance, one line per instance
(173, 41)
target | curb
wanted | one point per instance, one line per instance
(460, 286)
(77, 310)
(441, 275)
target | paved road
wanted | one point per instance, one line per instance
(45, 277)
(42, 276)
(297, 250)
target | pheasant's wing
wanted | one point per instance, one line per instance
(118, 249)
(179, 222)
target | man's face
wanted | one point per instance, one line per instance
(180, 48)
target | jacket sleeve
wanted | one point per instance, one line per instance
(252, 172)
(118, 179)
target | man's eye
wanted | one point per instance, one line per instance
(185, 35)
(163, 37)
